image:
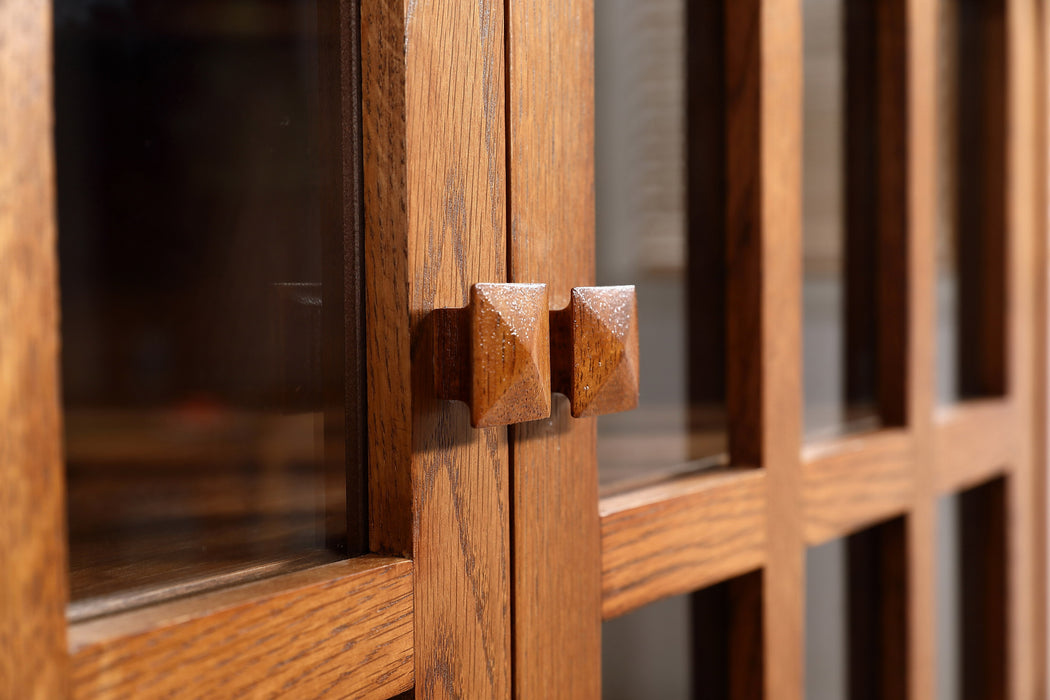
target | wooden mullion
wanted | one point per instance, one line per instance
(764, 219)
(297, 634)
(554, 479)
(1021, 194)
(917, 70)
(974, 441)
(679, 536)
(34, 582)
(857, 481)
(434, 192)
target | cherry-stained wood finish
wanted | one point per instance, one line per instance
(764, 219)
(494, 354)
(434, 191)
(557, 558)
(33, 579)
(594, 350)
(340, 630)
(680, 536)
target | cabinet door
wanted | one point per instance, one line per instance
(460, 147)
(818, 149)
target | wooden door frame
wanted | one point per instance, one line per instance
(397, 622)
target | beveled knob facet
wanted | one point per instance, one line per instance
(594, 350)
(494, 354)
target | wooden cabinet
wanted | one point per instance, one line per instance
(459, 148)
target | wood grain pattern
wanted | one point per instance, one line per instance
(340, 630)
(494, 354)
(855, 482)
(764, 220)
(974, 441)
(434, 188)
(680, 536)
(33, 585)
(550, 159)
(594, 350)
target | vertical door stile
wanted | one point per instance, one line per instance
(434, 191)
(920, 121)
(33, 585)
(1022, 193)
(764, 220)
(554, 478)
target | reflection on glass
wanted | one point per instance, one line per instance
(826, 631)
(196, 304)
(659, 226)
(949, 604)
(839, 234)
(971, 192)
(646, 653)
(947, 202)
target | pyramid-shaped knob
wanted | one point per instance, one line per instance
(494, 354)
(594, 350)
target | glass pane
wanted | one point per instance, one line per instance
(949, 605)
(659, 196)
(947, 202)
(203, 339)
(971, 194)
(840, 236)
(856, 593)
(972, 592)
(646, 653)
(826, 632)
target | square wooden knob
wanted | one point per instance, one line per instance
(494, 354)
(594, 353)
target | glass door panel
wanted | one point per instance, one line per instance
(204, 344)
(659, 185)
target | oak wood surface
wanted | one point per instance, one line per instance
(594, 350)
(1021, 195)
(434, 191)
(33, 584)
(340, 630)
(764, 219)
(550, 209)
(680, 536)
(494, 354)
(919, 125)
(974, 441)
(856, 482)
